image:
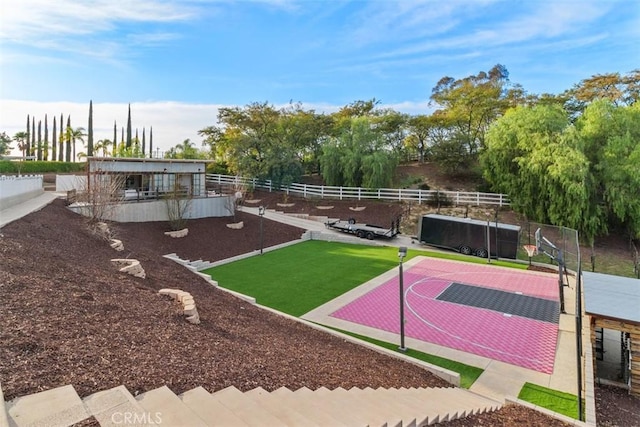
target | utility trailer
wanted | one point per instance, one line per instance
(368, 231)
(469, 236)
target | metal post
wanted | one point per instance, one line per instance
(488, 240)
(261, 214)
(560, 259)
(579, 338)
(402, 252)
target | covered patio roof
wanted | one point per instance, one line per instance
(612, 297)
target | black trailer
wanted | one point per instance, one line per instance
(469, 236)
(365, 230)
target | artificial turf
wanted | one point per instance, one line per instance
(554, 400)
(298, 278)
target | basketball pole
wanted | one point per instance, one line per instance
(560, 260)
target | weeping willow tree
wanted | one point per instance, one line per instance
(358, 157)
(583, 175)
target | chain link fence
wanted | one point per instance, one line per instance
(564, 239)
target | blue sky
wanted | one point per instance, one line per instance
(178, 61)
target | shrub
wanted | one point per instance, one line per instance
(439, 200)
(38, 167)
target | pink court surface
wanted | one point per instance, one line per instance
(499, 336)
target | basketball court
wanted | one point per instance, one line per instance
(499, 313)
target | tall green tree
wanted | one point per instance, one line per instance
(392, 126)
(54, 141)
(68, 132)
(358, 157)
(28, 134)
(129, 140)
(115, 138)
(610, 138)
(77, 134)
(45, 145)
(331, 163)
(61, 139)
(144, 142)
(417, 140)
(22, 139)
(151, 142)
(90, 130)
(303, 132)
(619, 89)
(472, 103)
(102, 146)
(249, 134)
(186, 150)
(426, 132)
(533, 155)
(33, 136)
(5, 140)
(39, 146)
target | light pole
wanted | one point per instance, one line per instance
(261, 214)
(402, 252)
(488, 238)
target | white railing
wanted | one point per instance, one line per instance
(358, 193)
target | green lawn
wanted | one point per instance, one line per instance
(301, 277)
(557, 401)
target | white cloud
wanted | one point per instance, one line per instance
(90, 28)
(172, 122)
(380, 21)
(26, 20)
(539, 21)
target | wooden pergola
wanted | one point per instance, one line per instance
(613, 302)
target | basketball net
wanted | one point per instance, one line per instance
(532, 250)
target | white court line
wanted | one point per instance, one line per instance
(451, 334)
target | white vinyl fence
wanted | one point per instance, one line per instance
(358, 193)
(17, 189)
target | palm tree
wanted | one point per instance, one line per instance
(103, 145)
(76, 134)
(21, 139)
(186, 150)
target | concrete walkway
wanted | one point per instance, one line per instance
(318, 226)
(15, 212)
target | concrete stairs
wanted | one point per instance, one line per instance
(197, 265)
(231, 407)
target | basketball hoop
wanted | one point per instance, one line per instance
(532, 250)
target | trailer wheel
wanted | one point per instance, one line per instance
(482, 253)
(360, 234)
(352, 220)
(465, 250)
(370, 235)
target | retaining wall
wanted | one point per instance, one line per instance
(17, 189)
(156, 210)
(71, 182)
